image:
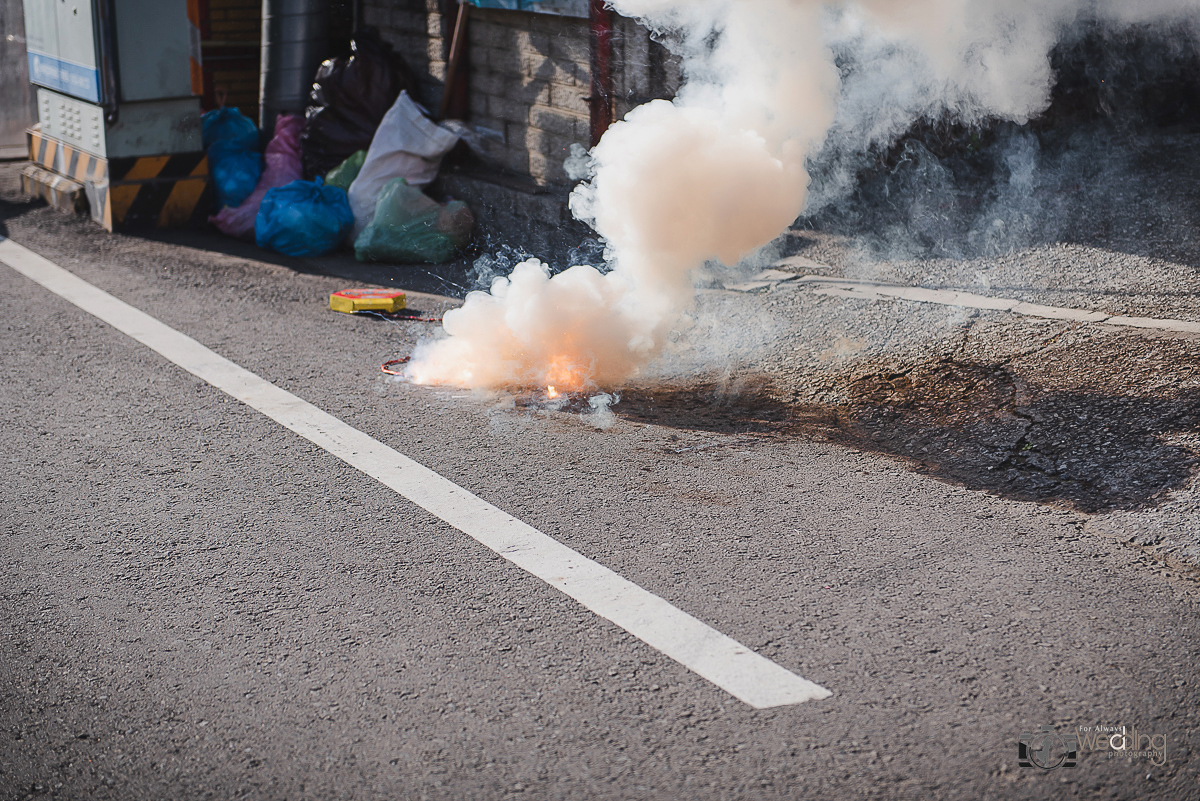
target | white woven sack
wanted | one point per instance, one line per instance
(407, 145)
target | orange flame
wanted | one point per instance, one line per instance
(562, 375)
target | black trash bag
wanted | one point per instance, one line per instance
(349, 98)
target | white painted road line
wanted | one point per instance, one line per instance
(869, 291)
(733, 667)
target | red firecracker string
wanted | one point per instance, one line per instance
(396, 317)
(384, 367)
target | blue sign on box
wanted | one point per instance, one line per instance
(63, 76)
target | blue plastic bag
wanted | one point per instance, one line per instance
(235, 171)
(229, 125)
(303, 218)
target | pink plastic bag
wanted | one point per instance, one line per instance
(282, 167)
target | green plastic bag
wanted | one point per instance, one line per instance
(410, 228)
(344, 174)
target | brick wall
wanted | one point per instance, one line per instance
(529, 78)
(420, 32)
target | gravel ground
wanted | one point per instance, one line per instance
(1096, 418)
(902, 501)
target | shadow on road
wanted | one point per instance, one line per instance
(980, 426)
(452, 279)
(987, 428)
(13, 203)
(746, 404)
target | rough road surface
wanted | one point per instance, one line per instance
(926, 510)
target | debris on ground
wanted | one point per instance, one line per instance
(356, 300)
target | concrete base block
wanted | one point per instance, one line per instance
(61, 193)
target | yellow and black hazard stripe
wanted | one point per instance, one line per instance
(57, 190)
(163, 191)
(66, 160)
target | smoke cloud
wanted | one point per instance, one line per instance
(771, 86)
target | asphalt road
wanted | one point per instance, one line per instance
(197, 603)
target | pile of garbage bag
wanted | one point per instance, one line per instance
(349, 98)
(369, 148)
(228, 125)
(407, 145)
(343, 175)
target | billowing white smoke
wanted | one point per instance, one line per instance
(720, 171)
(713, 175)
(908, 60)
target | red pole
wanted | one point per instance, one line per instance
(600, 104)
(454, 91)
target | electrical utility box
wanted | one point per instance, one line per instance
(118, 85)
